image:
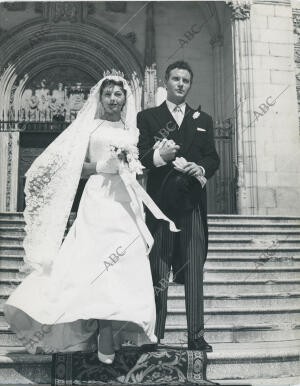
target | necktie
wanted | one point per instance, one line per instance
(177, 114)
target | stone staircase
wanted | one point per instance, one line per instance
(252, 303)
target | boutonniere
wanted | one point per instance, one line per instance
(197, 112)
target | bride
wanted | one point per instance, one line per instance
(93, 291)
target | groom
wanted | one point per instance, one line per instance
(176, 145)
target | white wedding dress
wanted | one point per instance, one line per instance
(102, 270)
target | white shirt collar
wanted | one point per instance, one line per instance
(172, 105)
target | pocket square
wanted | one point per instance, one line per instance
(200, 129)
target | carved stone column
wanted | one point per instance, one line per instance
(9, 150)
(218, 63)
(296, 23)
(150, 76)
(150, 51)
(243, 83)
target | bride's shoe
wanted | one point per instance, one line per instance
(105, 358)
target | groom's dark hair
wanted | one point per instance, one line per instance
(181, 65)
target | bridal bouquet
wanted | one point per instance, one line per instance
(128, 154)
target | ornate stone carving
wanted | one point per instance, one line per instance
(66, 11)
(2, 32)
(150, 47)
(52, 100)
(217, 40)
(296, 23)
(116, 6)
(15, 6)
(240, 8)
(131, 36)
(39, 7)
(90, 8)
(150, 86)
(9, 170)
(297, 54)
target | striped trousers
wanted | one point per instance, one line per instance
(191, 243)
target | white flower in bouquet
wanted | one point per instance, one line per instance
(129, 155)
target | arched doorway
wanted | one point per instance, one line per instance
(41, 73)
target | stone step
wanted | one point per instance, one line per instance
(177, 335)
(217, 222)
(11, 275)
(242, 300)
(222, 233)
(17, 240)
(251, 262)
(262, 272)
(11, 240)
(279, 381)
(241, 316)
(12, 231)
(11, 262)
(229, 333)
(256, 252)
(212, 262)
(267, 273)
(228, 361)
(216, 245)
(278, 250)
(16, 223)
(229, 301)
(276, 315)
(18, 367)
(238, 361)
(241, 287)
(213, 218)
(211, 287)
(227, 227)
(11, 216)
(267, 227)
(254, 360)
(254, 233)
(232, 287)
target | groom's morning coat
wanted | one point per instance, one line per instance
(196, 146)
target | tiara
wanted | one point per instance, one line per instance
(113, 72)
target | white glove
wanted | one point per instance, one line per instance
(108, 166)
(179, 164)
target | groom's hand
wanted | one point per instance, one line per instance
(192, 169)
(168, 150)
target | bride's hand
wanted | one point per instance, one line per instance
(109, 166)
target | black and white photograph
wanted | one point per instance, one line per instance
(150, 193)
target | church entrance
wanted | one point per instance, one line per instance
(220, 188)
(44, 88)
(50, 102)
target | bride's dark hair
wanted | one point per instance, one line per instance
(112, 82)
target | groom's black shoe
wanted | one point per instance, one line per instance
(150, 347)
(199, 344)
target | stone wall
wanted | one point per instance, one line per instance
(275, 112)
